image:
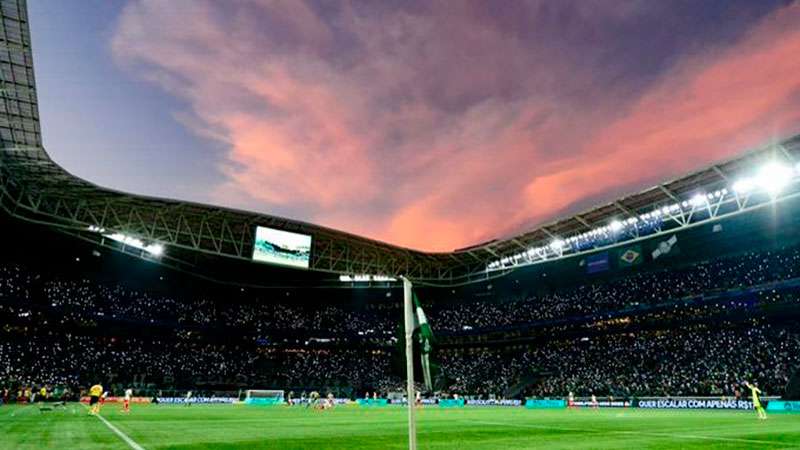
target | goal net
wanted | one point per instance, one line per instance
(263, 397)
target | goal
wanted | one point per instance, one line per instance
(263, 397)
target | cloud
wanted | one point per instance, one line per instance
(439, 125)
(710, 107)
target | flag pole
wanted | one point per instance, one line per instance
(410, 394)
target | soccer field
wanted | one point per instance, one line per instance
(242, 427)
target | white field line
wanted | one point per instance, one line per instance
(131, 443)
(639, 433)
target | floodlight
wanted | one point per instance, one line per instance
(698, 200)
(557, 244)
(616, 225)
(155, 249)
(773, 177)
(743, 186)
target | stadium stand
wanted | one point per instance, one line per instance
(633, 331)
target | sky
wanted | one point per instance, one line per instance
(429, 124)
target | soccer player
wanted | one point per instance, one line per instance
(94, 398)
(188, 399)
(126, 402)
(289, 398)
(755, 391)
(595, 405)
(571, 400)
(313, 399)
(330, 402)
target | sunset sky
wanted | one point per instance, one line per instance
(434, 124)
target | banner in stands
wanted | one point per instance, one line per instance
(305, 401)
(181, 400)
(120, 399)
(545, 404)
(451, 403)
(603, 403)
(783, 406)
(425, 401)
(494, 402)
(372, 401)
(666, 248)
(597, 263)
(264, 401)
(630, 256)
(693, 403)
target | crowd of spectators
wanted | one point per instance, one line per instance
(85, 300)
(632, 291)
(613, 358)
(697, 360)
(75, 361)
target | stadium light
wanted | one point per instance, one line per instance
(698, 200)
(773, 177)
(557, 244)
(616, 226)
(365, 278)
(743, 186)
(153, 249)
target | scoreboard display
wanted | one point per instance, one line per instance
(282, 248)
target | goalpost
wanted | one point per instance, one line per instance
(263, 397)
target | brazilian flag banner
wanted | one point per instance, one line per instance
(630, 256)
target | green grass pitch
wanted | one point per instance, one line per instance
(246, 427)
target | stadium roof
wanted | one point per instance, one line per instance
(36, 189)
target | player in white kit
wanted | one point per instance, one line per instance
(126, 401)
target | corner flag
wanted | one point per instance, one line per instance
(425, 337)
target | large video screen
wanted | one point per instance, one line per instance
(283, 248)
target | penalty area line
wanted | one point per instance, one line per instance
(635, 433)
(131, 443)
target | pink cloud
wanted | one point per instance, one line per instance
(434, 133)
(708, 108)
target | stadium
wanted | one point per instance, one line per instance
(667, 318)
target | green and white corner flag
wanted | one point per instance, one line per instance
(425, 337)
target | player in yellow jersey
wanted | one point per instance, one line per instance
(755, 391)
(94, 398)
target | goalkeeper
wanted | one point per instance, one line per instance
(755, 391)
